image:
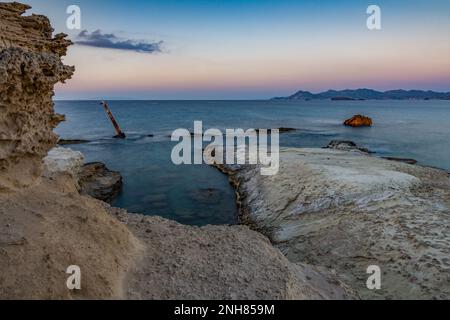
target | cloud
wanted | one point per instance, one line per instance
(111, 41)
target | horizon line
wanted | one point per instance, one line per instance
(246, 99)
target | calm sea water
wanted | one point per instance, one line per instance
(200, 195)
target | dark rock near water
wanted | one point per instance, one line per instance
(120, 136)
(359, 121)
(351, 146)
(346, 146)
(66, 142)
(99, 182)
(281, 130)
(408, 161)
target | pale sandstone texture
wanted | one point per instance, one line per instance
(348, 210)
(219, 262)
(46, 228)
(63, 160)
(30, 65)
(45, 225)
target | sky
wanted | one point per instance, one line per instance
(253, 49)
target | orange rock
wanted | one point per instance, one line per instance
(359, 121)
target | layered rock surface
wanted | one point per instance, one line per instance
(45, 225)
(348, 210)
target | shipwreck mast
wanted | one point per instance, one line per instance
(119, 132)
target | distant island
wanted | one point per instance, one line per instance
(368, 94)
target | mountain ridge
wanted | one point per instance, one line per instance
(368, 94)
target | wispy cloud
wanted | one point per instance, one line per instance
(111, 41)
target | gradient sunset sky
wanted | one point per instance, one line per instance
(253, 49)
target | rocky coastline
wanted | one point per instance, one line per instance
(47, 225)
(344, 209)
(329, 213)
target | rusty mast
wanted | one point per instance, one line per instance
(119, 132)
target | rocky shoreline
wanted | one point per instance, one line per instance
(212, 262)
(46, 225)
(343, 209)
(329, 212)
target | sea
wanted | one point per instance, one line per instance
(200, 195)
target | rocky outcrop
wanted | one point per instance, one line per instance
(359, 121)
(30, 65)
(31, 33)
(93, 179)
(45, 225)
(97, 181)
(348, 210)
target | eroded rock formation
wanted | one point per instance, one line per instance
(45, 225)
(30, 66)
